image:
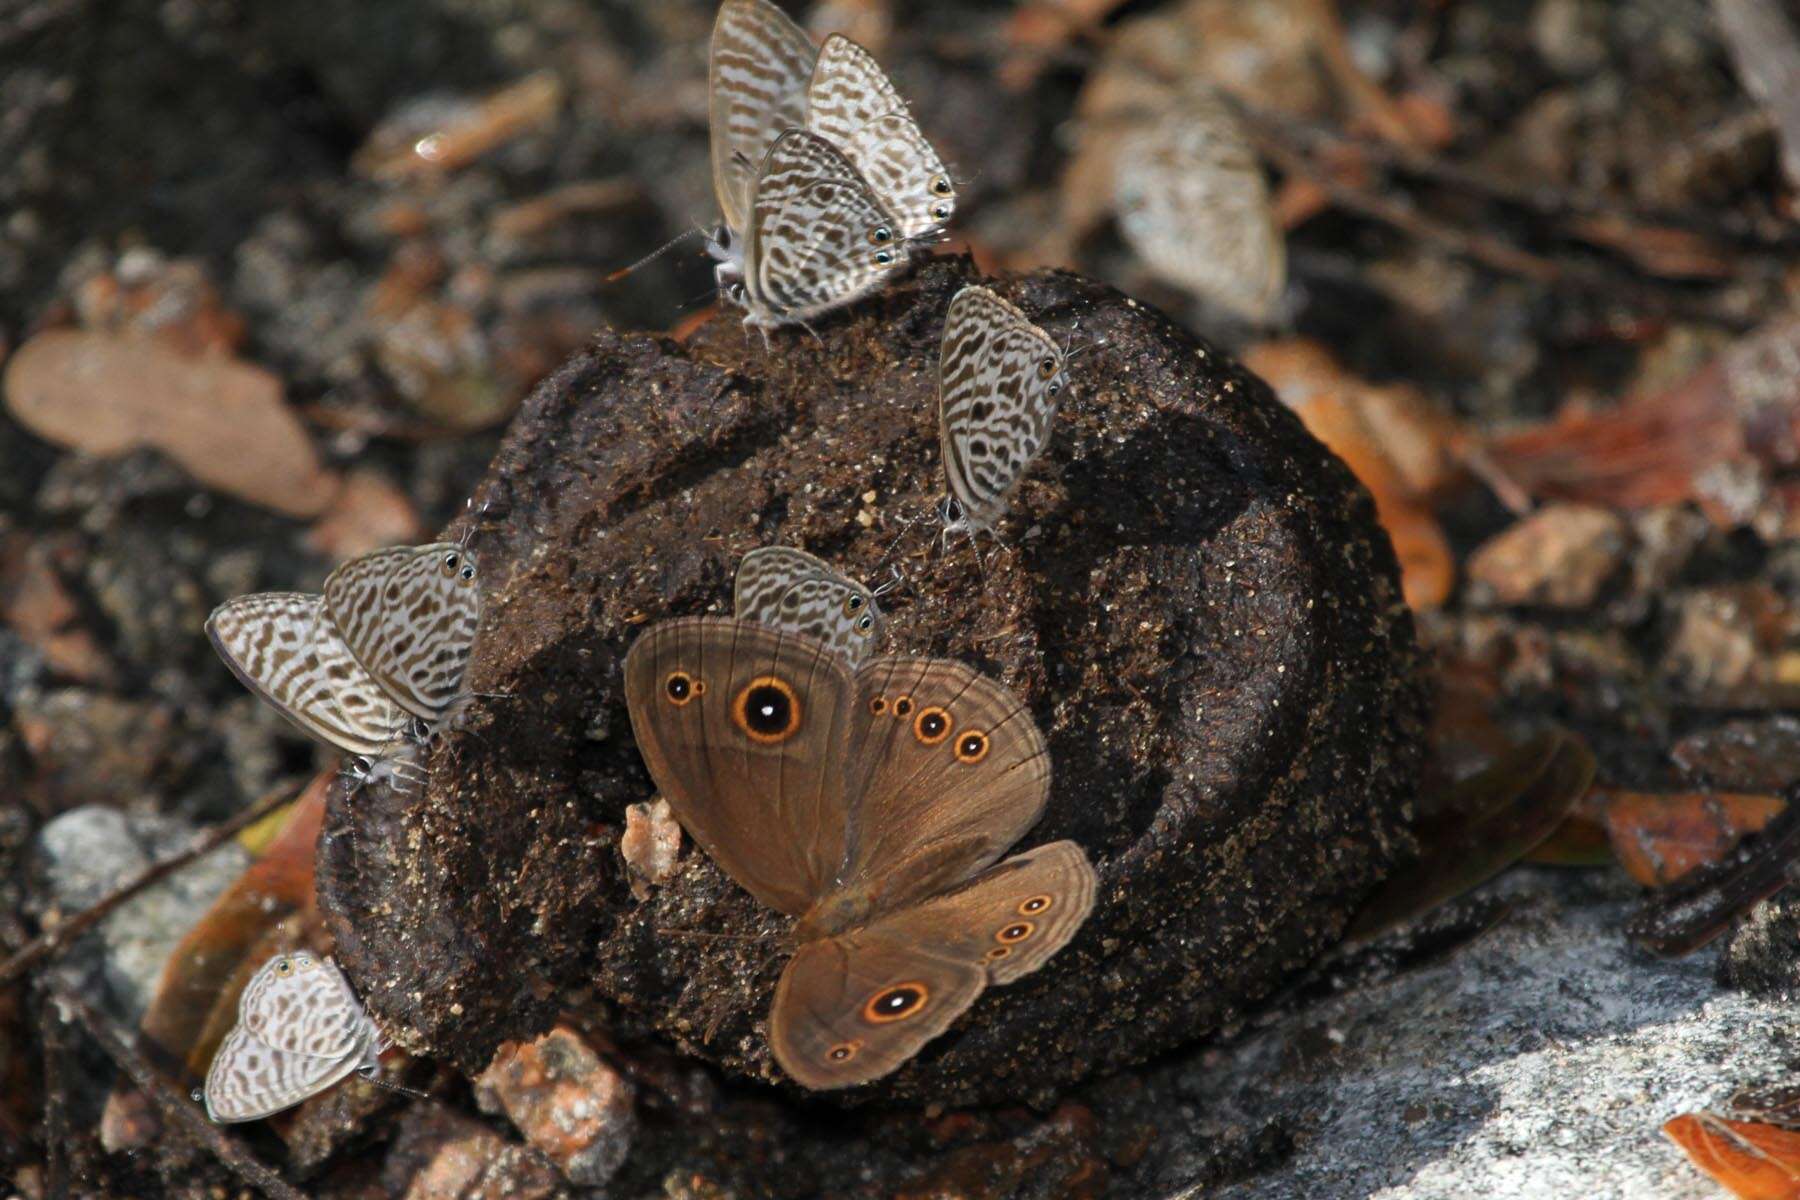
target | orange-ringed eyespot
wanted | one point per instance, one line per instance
(1036, 904)
(768, 710)
(998, 952)
(972, 747)
(896, 1003)
(1047, 368)
(1018, 931)
(843, 1051)
(680, 687)
(903, 706)
(877, 705)
(932, 725)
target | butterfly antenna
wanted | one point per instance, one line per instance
(655, 254)
(368, 1074)
(894, 579)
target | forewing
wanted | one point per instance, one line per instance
(283, 647)
(851, 102)
(409, 615)
(999, 380)
(760, 65)
(819, 237)
(767, 572)
(744, 731)
(306, 1009)
(948, 771)
(249, 1079)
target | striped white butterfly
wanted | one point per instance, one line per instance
(999, 380)
(300, 1030)
(388, 642)
(766, 79)
(818, 237)
(786, 588)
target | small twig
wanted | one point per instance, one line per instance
(54, 941)
(56, 1101)
(176, 1107)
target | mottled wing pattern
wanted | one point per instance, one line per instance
(299, 1004)
(818, 237)
(851, 101)
(760, 64)
(789, 589)
(765, 573)
(1194, 203)
(409, 615)
(999, 378)
(283, 647)
(249, 1079)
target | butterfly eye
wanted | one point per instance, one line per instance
(768, 710)
(940, 184)
(1036, 905)
(866, 625)
(450, 562)
(881, 235)
(284, 968)
(1018, 931)
(903, 706)
(680, 687)
(843, 1051)
(853, 603)
(896, 1003)
(972, 747)
(940, 212)
(932, 725)
(1054, 388)
(1047, 368)
(468, 571)
(884, 257)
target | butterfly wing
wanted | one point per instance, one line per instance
(744, 730)
(409, 614)
(249, 1079)
(299, 1004)
(283, 647)
(852, 1008)
(790, 589)
(851, 102)
(759, 66)
(948, 771)
(999, 379)
(819, 237)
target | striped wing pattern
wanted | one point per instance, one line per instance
(283, 647)
(255, 1074)
(819, 237)
(789, 589)
(757, 78)
(409, 615)
(999, 378)
(852, 104)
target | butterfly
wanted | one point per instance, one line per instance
(999, 378)
(387, 643)
(874, 804)
(786, 588)
(300, 1030)
(765, 81)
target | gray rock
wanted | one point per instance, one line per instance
(84, 854)
(1539, 1061)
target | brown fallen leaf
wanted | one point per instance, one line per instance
(1392, 440)
(223, 420)
(37, 605)
(1659, 839)
(1479, 827)
(1708, 898)
(369, 512)
(1714, 439)
(1754, 1161)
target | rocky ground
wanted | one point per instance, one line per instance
(1526, 266)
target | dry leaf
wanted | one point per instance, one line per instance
(368, 513)
(1707, 899)
(1389, 437)
(221, 419)
(1659, 839)
(1755, 1161)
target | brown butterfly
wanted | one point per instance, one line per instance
(872, 803)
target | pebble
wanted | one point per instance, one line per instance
(565, 1101)
(1558, 557)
